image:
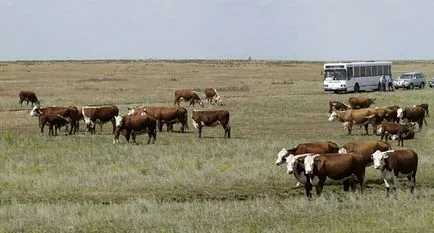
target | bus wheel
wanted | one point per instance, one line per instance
(356, 88)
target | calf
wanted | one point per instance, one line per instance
(398, 129)
(336, 105)
(336, 167)
(360, 102)
(55, 120)
(393, 163)
(211, 96)
(319, 147)
(211, 118)
(425, 107)
(28, 96)
(413, 114)
(70, 112)
(135, 125)
(188, 95)
(355, 117)
(99, 115)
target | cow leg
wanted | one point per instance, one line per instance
(42, 125)
(320, 186)
(346, 185)
(350, 128)
(308, 189)
(395, 184)
(386, 183)
(366, 129)
(412, 180)
(227, 129)
(133, 136)
(127, 136)
(160, 125)
(199, 128)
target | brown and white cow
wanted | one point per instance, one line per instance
(352, 117)
(319, 147)
(53, 120)
(212, 96)
(211, 118)
(164, 115)
(394, 163)
(135, 125)
(413, 114)
(401, 130)
(28, 96)
(360, 102)
(67, 112)
(99, 115)
(346, 167)
(365, 148)
(188, 96)
(336, 105)
(425, 107)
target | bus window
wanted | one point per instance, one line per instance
(368, 71)
(380, 70)
(335, 74)
(356, 72)
(374, 71)
(350, 73)
(362, 71)
(386, 70)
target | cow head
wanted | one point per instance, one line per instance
(400, 113)
(333, 117)
(293, 160)
(378, 158)
(217, 99)
(119, 121)
(281, 157)
(131, 111)
(36, 111)
(309, 163)
(372, 100)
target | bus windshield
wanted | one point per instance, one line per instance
(335, 74)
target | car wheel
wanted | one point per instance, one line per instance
(356, 88)
(411, 86)
(422, 85)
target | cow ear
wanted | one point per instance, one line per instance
(386, 155)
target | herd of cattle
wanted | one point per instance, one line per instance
(311, 163)
(139, 120)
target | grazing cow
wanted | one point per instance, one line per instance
(393, 163)
(412, 114)
(211, 118)
(211, 96)
(67, 112)
(188, 95)
(99, 115)
(425, 107)
(135, 125)
(167, 115)
(365, 148)
(352, 117)
(360, 102)
(28, 96)
(336, 105)
(398, 129)
(320, 147)
(55, 120)
(346, 167)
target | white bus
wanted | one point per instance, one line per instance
(355, 76)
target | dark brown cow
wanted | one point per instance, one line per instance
(28, 96)
(211, 118)
(164, 115)
(425, 107)
(412, 114)
(67, 112)
(352, 117)
(211, 95)
(399, 129)
(365, 148)
(394, 163)
(188, 95)
(99, 114)
(360, 102)
(336, 105)
(53, 120)
(320, 147)
(345, 167)
(135, 125)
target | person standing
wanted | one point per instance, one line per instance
(383, 83)
(389, 81)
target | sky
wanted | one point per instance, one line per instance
(217, 29)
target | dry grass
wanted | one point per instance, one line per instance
(83, 183)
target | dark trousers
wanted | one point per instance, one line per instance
(390, 85)
(383, 86)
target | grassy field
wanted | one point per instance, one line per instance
(84, 183)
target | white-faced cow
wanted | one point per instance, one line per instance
(54, 122)
(66, 112)
(99, 115)
(211, 118)
(394, 163)
(135, 125)
(319, 147)
(360, 102)
(413, 114)
(164, 115)
(188, 96)
(295, 165)
(28, 96)
(401, 130)
(352, 117)
(347, 167)
(212, 96)
(336, 105)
